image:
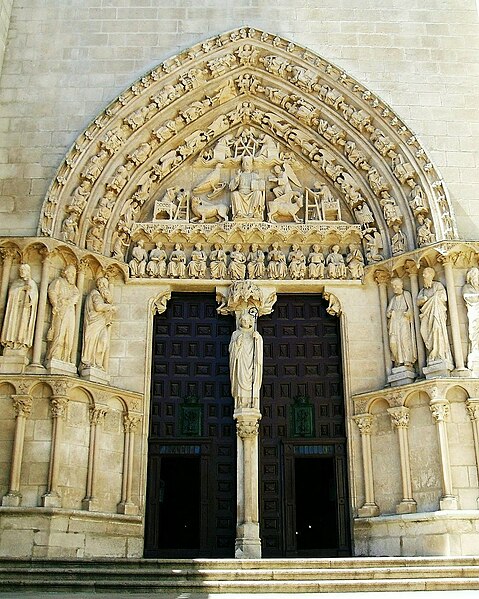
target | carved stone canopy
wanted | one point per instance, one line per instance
(247, 137)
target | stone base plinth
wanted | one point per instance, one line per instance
(12, 500)
(401, 375)
(436, 369)
(129, 509)
(96, 375)
(408, 506)
(54, 366)
(51, 500)
(368, 510)
(423, 534)
(57, 533)
(248, 543)
(13, 361)
(448, 502)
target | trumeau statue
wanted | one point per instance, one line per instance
(20, 314)
(63, 295)
(246, 362)
(400, 315)
(432, 301)
(98, 318)
(470, 293)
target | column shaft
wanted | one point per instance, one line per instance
(440, 412)
(421, 351)
(7, 267)
(454, 317)
(369, 509)
(40, 322)
(78, 309)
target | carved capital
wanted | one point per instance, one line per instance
(382, 277)
(7, 254)
(365, 423)
(160, 302)
(411, 267)
(97, 415)
(244, 295)
(472, 407)
(58, 406)
(130, 423)
(399, 416)
(22, 404)
(440, 410)
(247, 428)
(83, 265)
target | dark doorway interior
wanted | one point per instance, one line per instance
(316, 509)
(179, 498)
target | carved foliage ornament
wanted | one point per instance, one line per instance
(317, 111)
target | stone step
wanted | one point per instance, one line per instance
(240, 576)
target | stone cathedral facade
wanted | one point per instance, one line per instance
(247, 323)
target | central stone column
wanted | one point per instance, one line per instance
(246, 301)
(248, 542)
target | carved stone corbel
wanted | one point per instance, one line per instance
(160, 302)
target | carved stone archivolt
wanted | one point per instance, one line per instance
(247, 138)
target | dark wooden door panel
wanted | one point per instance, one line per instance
(303, 415)
(191, 414)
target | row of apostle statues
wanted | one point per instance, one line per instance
(254, 263)
(18, 330)
(431, 302)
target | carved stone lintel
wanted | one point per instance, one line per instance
(22, 404)
(130, 423)
(58, 406)
(440, 410)
(399, 416)
(364, 422)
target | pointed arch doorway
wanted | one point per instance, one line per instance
(191, 493)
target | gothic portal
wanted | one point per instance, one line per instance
(246, 326)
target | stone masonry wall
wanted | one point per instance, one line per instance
(65, 61)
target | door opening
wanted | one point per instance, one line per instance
(316, 506)
(179, 499)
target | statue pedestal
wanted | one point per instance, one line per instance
(401, 375)
(96, 375)
(14, 361)
(437, 368)
(55, 366)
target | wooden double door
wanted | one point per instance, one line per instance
(191, 488)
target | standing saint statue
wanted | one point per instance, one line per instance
(246, 363)
(63, 295)
(432, 301)
(98, 318)
(470, 293)
(20, 314)
(400, 315)
(247, 199)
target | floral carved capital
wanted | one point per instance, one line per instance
(97, 415)
(472, 407)
(22, 404)
(58, 406)
(440, 410)
(130, 423)
(399, 417)
(365, 423)
(247, 428)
